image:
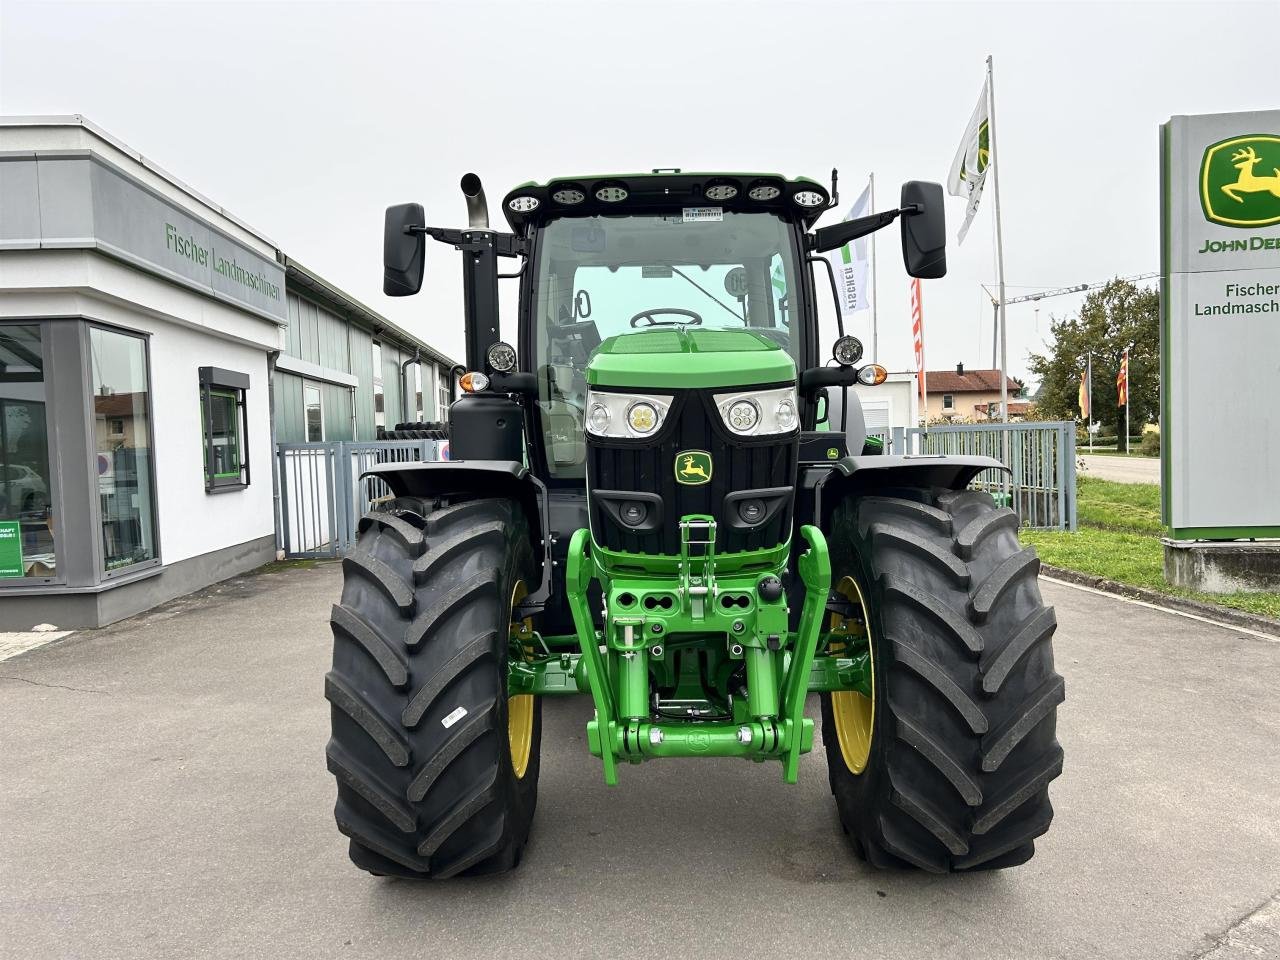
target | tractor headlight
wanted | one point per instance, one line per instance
(743, 416)
(760, 413)
(502, 357)
(625, 415)
(598, 418)
(785, 414)
(847, 351)
(642, 417)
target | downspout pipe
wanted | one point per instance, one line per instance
(405, 409)
(276, 514)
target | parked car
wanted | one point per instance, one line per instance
(22, 490)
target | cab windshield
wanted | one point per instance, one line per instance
(596, 277)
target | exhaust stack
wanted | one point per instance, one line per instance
(477, 206)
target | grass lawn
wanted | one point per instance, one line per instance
(1119, 538)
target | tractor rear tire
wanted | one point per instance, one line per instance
(421, 744)
(963, 743)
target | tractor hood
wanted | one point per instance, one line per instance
(685, 359)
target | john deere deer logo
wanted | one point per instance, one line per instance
(1231, 193)
(693, 467)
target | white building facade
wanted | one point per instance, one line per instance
(140, 325)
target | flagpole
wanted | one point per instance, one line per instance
(995, 191)
(1126, 401)
(875, 295)
(1088, 380)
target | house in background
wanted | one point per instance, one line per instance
(969, 395)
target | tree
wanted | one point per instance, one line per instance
(1117, 316)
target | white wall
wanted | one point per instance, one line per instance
(187, 332)
(898, 394)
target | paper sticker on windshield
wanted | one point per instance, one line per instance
(696, 214)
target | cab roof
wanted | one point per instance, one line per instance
(530, 204)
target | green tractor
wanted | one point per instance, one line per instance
(662, 497)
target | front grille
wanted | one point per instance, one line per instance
(648, 466)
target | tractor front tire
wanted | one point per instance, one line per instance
(961, 724)
(437, 770)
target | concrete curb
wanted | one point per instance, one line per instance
(1210, 611)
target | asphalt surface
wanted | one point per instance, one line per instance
(1122, 469)
(163, 794)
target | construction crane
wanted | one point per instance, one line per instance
(1041, 295)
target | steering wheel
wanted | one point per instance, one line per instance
(648, 316)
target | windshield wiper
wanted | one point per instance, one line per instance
(676, 270)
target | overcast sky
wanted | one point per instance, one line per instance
(306, 120)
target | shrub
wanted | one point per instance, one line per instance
(1150, 446)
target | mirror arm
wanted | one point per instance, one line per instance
(504, 244)
(524, 384)
(838, 234)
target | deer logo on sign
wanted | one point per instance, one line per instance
(1232, 193)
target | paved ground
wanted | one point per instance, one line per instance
(1122, 469)
(163, 794)
(12, 644)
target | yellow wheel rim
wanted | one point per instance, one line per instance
(520, 708)
(854, 714)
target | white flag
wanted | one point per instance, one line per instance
(969, 168)
(852, 264)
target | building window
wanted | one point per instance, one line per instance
(313, 406)
(225, 423)
(419, 412)
(26, 521)
(445, 381)
(122, 392)
(948, 402)
(379, 415)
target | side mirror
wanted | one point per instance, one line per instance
(404, 253)
(924, 232)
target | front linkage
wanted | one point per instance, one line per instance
(738, 618)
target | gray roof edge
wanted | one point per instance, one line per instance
(313, 281)
(77, 120)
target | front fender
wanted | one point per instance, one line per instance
(473, 479)
(867, 474)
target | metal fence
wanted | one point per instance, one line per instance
(1041, 488)
(321, 497)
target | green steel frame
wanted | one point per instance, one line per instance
(654, 620)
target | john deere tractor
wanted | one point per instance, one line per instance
(662, 496)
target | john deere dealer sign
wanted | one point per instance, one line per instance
(1220, 350)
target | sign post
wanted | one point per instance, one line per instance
(1220, 340)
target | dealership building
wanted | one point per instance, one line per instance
(154, 350)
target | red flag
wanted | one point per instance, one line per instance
(1083, 397)
(917, 331)
(1122, 381)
